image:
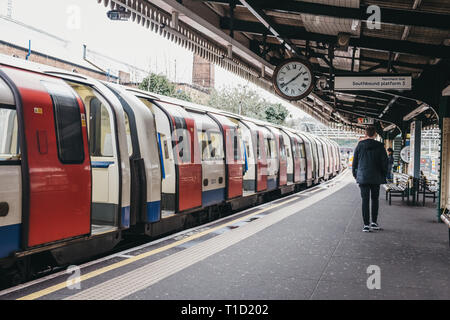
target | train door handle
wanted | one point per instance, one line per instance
(42, 142)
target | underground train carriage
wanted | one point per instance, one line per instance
(115, 160)
(61, 190)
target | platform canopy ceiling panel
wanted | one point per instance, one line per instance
(371, 38)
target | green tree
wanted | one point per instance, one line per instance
(160, 84)
(247, 102)
(276, 113)
(182, 95)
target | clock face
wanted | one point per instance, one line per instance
(293, 79)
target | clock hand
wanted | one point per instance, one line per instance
(293, 78)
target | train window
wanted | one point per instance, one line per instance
(128, 133)
(9, 146)
(302, 150)
(273, 149)
(69, 136)
(100, 125)
(298, 153)
(282, 148)
(183, 145)
(203, 139)
(166, 147)
(100, 135)
(258, 147)
(216, 145)
(267, 146)
(235, 146)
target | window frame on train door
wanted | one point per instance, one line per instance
(111, 113)
(58, 115)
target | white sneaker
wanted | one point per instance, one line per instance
(366, 229)
(374, 226)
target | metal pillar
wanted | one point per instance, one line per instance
(444, 113)
(415, 143)
(414, 163)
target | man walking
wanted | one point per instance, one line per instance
(390, 163)
(370, 168)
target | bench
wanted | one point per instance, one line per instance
(429, 189)
(399, 188)
(445, 217)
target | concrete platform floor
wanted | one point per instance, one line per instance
(321, 253)
(294, 251)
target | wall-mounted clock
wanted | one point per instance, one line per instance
(293, 79)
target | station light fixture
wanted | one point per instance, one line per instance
(343, 41)
(423, 107)
(119, 14)
(346, 97)
(388, 106)
(389, 128)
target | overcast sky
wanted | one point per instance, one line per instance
(84, 22)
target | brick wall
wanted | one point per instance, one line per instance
(202, 73)
(12, 50)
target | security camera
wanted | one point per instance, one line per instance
(119, 14)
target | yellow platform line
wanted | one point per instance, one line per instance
(141, 256)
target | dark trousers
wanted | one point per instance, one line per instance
(369, 192)
(389, 174)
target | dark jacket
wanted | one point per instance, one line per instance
(370, 162)
(390, 162)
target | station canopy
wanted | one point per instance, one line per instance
(352, 38)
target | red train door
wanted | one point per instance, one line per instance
(283, 161)
(261, 164)
(189, 187)
(56, 154)
(297, 158)
(233, 162)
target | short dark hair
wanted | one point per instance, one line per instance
(370, 131)
(390, 150)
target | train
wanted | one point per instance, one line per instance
(85, 164)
